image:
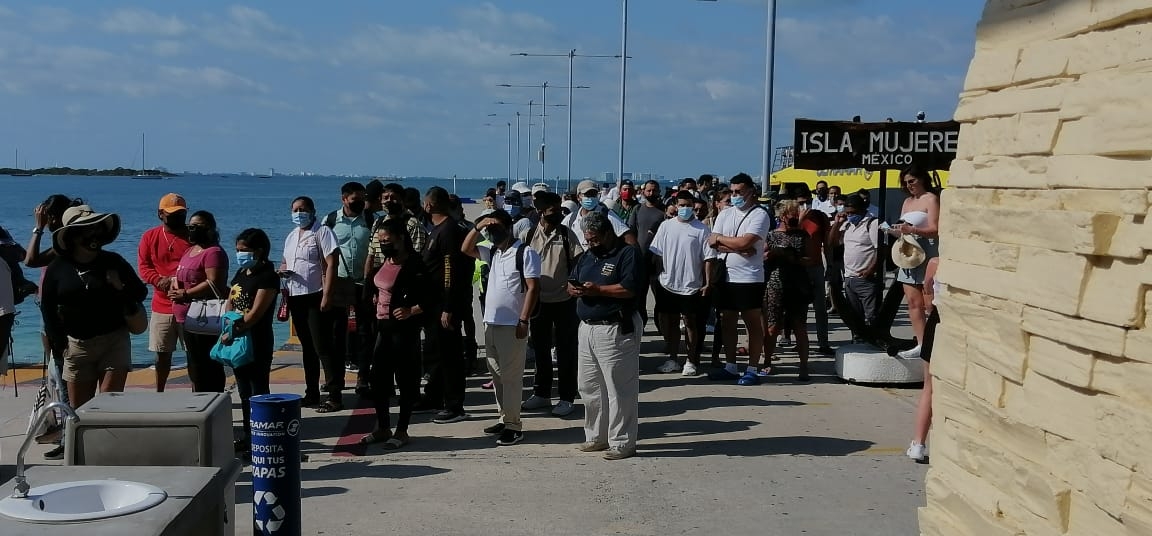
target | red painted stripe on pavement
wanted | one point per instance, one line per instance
(360, 422)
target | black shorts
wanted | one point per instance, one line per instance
(669, 302)
(929, 335)
(740, 297)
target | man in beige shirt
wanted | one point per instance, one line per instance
(556, 323)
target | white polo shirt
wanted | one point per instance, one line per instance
(732, 222)
(304, 250)
(859, 245)
(504, 299)
(575, 221)
(683, 248)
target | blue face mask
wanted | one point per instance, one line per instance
(589, 203)
(855, 219)
(736, 201)
(245, 259)
(685, 213)
(302, 219)
(839, 208)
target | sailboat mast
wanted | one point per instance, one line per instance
(143, 166)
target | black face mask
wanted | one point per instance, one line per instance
(394, 209)
(554, 218)
(356, 207)
(793, 222)
(388, 250)
(199, 235)
(498, 234)
(174, 221)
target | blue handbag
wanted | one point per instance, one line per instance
(238, 352)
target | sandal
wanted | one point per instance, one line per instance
(330, 406)
(379, 436)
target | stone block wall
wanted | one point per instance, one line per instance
(1043, 363)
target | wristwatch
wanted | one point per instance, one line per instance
(38, 230)
(525, 322)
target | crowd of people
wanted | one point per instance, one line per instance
(561, 279)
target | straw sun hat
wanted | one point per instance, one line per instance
(907, 253)
(82, 217)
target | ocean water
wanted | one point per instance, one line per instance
(237, 202)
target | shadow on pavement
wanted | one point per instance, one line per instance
(691, 428)
(668, 408)
(761, 446)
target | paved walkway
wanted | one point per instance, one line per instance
(782, 458)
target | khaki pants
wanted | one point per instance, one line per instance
(506, 363)
(609, 375)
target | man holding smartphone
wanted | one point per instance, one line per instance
(857, 232)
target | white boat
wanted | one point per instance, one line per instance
(144, 175)
(271, 173)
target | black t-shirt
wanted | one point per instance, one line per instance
(646, 221)
(84, 304)
(243, 297)
(449, 269)
(618, 266)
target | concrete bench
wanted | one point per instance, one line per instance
(864, 363)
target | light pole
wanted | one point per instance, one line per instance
(544, 116)
(509, 125)
(623, 88)
(571, 55)
(530, 104)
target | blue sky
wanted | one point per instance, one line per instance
(405, 87)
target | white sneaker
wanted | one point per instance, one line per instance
(912, 353)
(535, 402)
(669, 366)
(917, 451)
(563, 408)
(689, 370)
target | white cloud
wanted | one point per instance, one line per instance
(166, 48)
(205, 79)
(143, 22)
(50, 19)
(489, 16)
(248, 29)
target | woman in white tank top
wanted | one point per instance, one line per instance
(920, 217)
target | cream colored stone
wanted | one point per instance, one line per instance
(1037, 133)
(1097, 51)
(1056, 230)
(990, 136)
(1050, 280)
(1052, 406)
(1086, 519)
(973, 505)
(952, 370)
(1133, 202)
(992, 255)
(985, 385)
(1020, 23)
(1058, 361)
(1137, 514)
(1098, 172)
(1047, 59)
(977, 278)
(1095, 336)
(1114, 131)
(1077, 463)
(991, 69)
(1128, 240)
(1113, 293)
(1124, 378)
(1028, 199)
(1123, 432)
(1011, 101)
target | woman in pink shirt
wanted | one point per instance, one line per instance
(401, 292)
(201, 275)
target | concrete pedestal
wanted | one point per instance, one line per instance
(864, 363)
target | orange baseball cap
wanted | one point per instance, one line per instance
(173, 203)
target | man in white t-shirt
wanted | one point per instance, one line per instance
(589, 197)
(513, 288)
(738, 237)
(684, 259)
(823, 200)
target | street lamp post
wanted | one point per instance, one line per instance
(571, 55)
(544, 119)
(509, 125)
(623, 88)
(531, 105)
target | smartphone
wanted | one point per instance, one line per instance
(884, 226)
(575, 283)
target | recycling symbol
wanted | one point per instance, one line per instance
(273, 517)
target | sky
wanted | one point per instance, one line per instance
(406, 87)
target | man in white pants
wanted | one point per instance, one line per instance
(606, 281)
(513, 287)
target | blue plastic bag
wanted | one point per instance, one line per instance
(238, 352)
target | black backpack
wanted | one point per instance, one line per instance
(330, 219)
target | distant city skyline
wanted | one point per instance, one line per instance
(377, 88)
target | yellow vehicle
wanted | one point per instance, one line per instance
(849, 180)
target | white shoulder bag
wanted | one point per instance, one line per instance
(204, 315)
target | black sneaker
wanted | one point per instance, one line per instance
(448, 416)
(55, 454)
(495, 429)
(510, 437)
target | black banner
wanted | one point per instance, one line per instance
(874, 146)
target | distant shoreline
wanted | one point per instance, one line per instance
(118, 172)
